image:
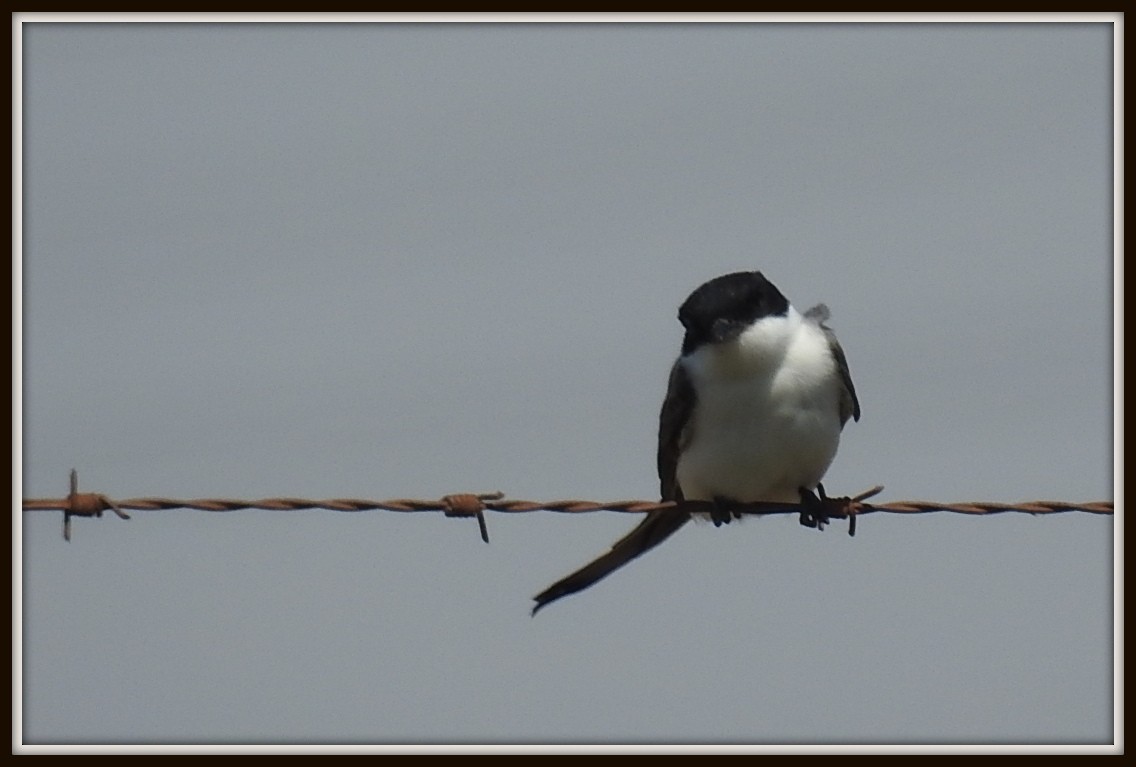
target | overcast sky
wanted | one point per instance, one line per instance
(406, 260)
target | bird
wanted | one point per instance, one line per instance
(755, 405)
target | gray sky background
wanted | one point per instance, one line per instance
(406, 260)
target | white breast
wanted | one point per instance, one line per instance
(767, 418)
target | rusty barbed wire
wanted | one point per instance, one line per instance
(475, 505)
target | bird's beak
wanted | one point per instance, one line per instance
(725, 330)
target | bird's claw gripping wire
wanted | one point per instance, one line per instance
(723, 511)
(813, 511)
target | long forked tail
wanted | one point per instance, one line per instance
(656, 528)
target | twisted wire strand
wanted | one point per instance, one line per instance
(560, 506)
(474, 505)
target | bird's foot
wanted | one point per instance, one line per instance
(813, 513)
(723, 511)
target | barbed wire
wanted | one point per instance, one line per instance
(474, 505)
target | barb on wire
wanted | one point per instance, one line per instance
(78, 504)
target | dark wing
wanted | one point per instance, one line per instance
(659, 525)
(849, 404)
(673, 435)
